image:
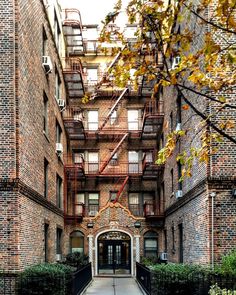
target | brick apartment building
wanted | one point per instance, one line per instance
(82, 177)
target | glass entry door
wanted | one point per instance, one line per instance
(114, 255)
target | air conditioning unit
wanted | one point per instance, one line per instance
(178, 127)
(93, 213)
(175, 62)
(59, 148)
(58, 257)
(179, 194)
(163, 256)
(47, 64)
(61, 103)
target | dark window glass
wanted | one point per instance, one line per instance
(45, 178)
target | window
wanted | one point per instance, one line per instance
(150, 244)
(46, 232)
(165, 240)
(133, 158)
(113, 118)
(134, 204)
(78, 157)
(93, 202)
(114, 160)
(92, 120)
(77, 242)
(45, 114)
(59, 191)
(79, 204)
(45, 178)
(171, 122)
(149, 156)
(113, 196)
(92, 75)
(57, 31)
(179, 106)
(172, 180)
(93, 162)
(57, 85)
(149, 203)
(173, 238)
(133, 119)
(181, 252)
(179, 168)
(58, 133)
(59, 241)
(44, 43)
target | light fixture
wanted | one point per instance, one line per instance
(90, 225)
(137, 224)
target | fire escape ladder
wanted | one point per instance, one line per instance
(113, 109)
(121, 189)
(144, 117)
(113, 153)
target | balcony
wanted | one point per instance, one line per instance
(152, 119)
(73, 75)
(73, 122)
(151, 169)
(72, 29)
(153, 211)
(80, 211)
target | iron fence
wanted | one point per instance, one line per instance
(81, 279)
(197, 283)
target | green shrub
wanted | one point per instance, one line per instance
(216, 290)
(77, 259)
(228, 265)
(45, 279)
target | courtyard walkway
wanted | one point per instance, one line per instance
(113, 286)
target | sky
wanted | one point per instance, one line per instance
(92, 11)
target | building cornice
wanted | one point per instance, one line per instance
(16, 185)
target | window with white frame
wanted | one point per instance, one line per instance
(92, 162)
(93, 203)
(133, 119)
(79, 204)
(134, 204)
(92, 120)
(150, 244)
(133, 158)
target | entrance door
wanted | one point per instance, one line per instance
(114, 253)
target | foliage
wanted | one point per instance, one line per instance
(216, 290)
(229, 263)
(204, 76)
(46, 279)
(149, 261)
(76, 259)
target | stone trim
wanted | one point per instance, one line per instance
(19, 186)
(221, 182)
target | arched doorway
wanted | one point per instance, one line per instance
(114, 255)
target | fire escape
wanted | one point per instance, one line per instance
(75, 124)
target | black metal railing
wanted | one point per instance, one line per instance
(170, 283)
(13, 284)
(81, 279)
(143, 276)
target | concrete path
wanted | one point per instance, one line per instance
(113, 286)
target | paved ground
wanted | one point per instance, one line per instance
(113, 286)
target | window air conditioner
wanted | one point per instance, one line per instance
(175, 62)
(61, 103)
(178, 127)
(47, 64)
(92, 213)
(163, 256)
(59, 148)
(58, 257)
(179, 194)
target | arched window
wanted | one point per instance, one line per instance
(150, 244)
(77, 242)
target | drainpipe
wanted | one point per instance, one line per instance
(212, 195)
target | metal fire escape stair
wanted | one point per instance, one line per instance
(121, 189)
(112, 153)
(113, 109)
